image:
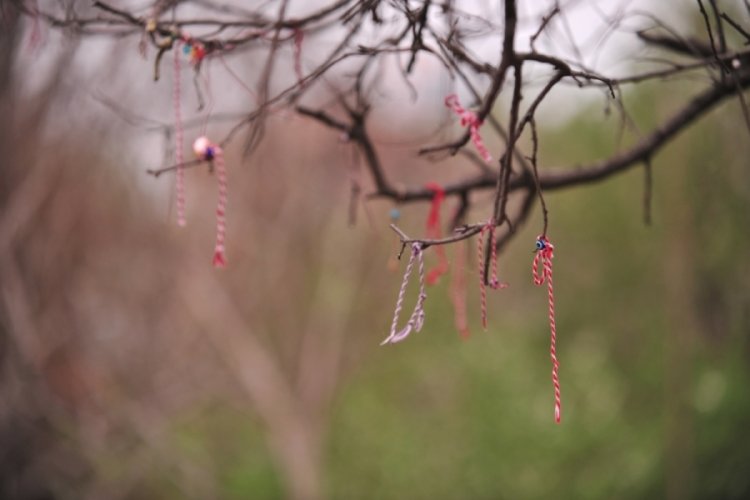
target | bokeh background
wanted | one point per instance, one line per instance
(129, 368)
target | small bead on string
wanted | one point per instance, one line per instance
(178, 135)
(469, 119)
(545, 253)
(194, 49)
(433, 231)
(416, 320)
(206, 150)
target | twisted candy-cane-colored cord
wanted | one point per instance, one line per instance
(220, 259)
(178, 136)
(545, 253)
(469, 119)
(480, 266)
(416, 320)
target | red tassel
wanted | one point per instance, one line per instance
(433, 231)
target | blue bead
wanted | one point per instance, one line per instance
(540, 245)
(186, 48)
(395, 214)
(209, 153)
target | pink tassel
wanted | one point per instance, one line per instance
(544, 253)
(433, 231)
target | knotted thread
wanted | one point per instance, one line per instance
(494, 282)
(469, 119)
(208, 151)
(416, 320)
(433, 231)
(178, 139)
(545, 253)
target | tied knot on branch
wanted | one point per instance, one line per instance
(195, 50)
(416, 320)
(471, 120)
(544, 254)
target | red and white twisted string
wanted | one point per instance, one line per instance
(494, 282)
(469, 119)
(545, 253)
(416, 320)
(480, 267)
(208, 151)
(178, 136)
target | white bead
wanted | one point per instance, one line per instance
(201, 146)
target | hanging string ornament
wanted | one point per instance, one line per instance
(469, 119)
(433, 231)
(545, 253)
(494, 282)
(179, 139)
(206, 150)
(416, 320)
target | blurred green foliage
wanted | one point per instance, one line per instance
(653, 339)
(653, 326)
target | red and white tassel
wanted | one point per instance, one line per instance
(206, 150)
(545, 253)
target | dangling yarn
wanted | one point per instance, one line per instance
(433, 231)
(545, 253)
(471, 120)
(494, 282)
(178, 137)
(416, 320)
(206, 150)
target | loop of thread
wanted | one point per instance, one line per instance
(469, 119)
(178, 136)
(545, 253)
(433, 231)
(416, 320)
(208, 151)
